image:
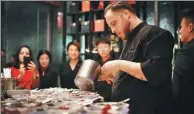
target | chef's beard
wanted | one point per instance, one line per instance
(127, 35)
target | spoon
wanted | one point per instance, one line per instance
(124, 101)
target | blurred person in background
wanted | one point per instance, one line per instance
(69, 70)
(48, 76)
(25, 75)
(12, 61)
(3, 59)
(104, 53)
(183, 75)
(104, 50)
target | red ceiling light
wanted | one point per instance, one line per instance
(60, 21)
(54, 3)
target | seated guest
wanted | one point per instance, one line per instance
(48, 76)
(69, 70)
(104, 50)
(24, 73)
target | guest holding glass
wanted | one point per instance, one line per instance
(69, 70)
(48, 76)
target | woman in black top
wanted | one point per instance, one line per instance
(48, 76)
(68, 70)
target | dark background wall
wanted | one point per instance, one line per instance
(26, 23)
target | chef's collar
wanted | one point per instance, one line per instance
(135, 30)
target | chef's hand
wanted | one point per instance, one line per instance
(108, 78)
(31, 66)
(110, 67)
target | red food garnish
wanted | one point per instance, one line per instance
(64, 107)
(89, 94)
(106, 108)
(74, 94)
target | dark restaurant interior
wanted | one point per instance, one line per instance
(54, 29)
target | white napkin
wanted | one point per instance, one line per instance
(1, 75)
(7, 72)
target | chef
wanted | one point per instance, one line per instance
(143, 72)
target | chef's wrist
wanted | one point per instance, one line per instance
(119, 65)
(109, 82)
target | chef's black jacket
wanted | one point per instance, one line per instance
(49, 79)
(183, 79)
(153, 48)
(67, 75)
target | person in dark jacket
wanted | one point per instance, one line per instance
(48, 76)
(143, 72)
(104, 53)
(183, 76)
(69, 70)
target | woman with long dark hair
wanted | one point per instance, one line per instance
(48, 76)
(25, 73)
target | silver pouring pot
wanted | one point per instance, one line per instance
(87, 75)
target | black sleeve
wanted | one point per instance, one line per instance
(54, 79)
(158, 51)
(183, 76)
(104, 89)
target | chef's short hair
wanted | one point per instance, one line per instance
(115, 6)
